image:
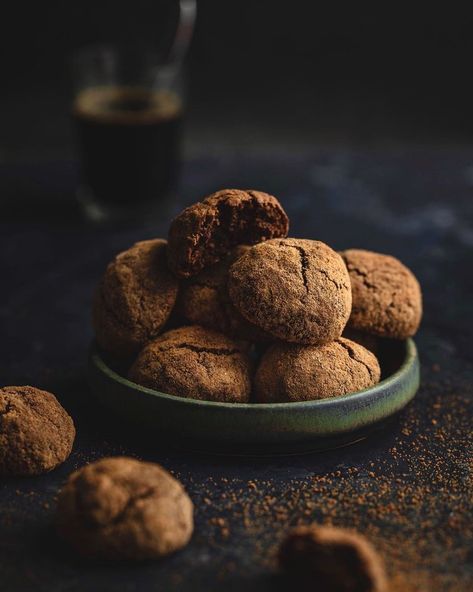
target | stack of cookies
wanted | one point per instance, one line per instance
(230, 309)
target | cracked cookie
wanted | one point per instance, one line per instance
(387, 299)
(36, 433)
(123, 509)
(207, 231)
(289, 373)
(195, 363)
(297, 290)
(203, 300)
(331, 559)
(134, 299)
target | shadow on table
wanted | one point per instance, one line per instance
(97, 425)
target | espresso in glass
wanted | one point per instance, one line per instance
(129, 143)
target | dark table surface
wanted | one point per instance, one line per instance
(408, 488)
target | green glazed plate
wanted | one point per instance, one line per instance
(262, 428)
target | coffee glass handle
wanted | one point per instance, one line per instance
(185, 28)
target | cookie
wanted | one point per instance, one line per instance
(195, 363)
(36, 433)
(134, 299)
(331, 559)
(203, 300)
(207, 231)
(387, 299)
(290, 373)
(123, 509)
(297, 290)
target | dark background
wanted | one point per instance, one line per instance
(261, 73)
(361, 122)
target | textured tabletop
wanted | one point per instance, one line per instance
(408, 488)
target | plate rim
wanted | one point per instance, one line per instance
(411, 356)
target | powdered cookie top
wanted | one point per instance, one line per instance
(206, 231)
(297, 290)
(291, 373)
(36, 433)
(134, 299)
(121, 508)
(195, 363)
(387, 299)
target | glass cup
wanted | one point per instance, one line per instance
(128, 110)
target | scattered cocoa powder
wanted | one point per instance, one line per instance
(413, 501)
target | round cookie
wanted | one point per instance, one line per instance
(123, 509)
(134, 299)
(297, 290)
(36, 433)
(331, 559)
(203, 300)
(195, 363)
(206, 231)
(291, 373)
(387, 299)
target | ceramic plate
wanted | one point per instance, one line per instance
(262, 428)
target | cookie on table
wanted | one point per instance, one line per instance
(331, 559)
(290, 373)
(208, 230)
(134, 299)
(203, 300)
(296, 290)
(387, 299)
(123, 509)
(195, 363)
(36, 433)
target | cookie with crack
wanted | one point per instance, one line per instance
(290, 373)
(36, 432)
(206, 231)
(134, 299)
(296, 290)
(195, 363)
(387, 299)
(123, 509)
(337, 560)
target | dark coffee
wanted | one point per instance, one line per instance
(129, 140)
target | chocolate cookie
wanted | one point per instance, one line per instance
(121, 508)
(195, 363)
(36, 433)
(387, 300)
(203, 300)
(205, 232)
(134, 299)
(297, 290)
(331, 559)
(290, 373)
